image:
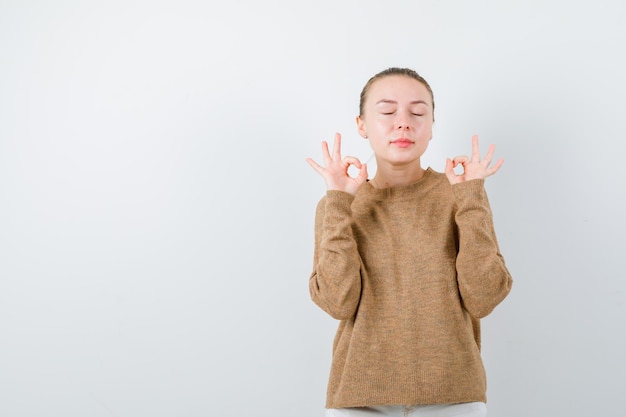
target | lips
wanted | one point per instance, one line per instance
(402, 142)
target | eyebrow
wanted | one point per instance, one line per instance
(387, 101)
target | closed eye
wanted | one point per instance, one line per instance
(417, 114)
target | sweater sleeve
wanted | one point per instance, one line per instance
(335, 283)
(483, 278)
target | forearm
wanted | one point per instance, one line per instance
(483, 278)
(335, 283)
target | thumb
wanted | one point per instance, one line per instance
(449, 167)
(362, 176)
(450, 171)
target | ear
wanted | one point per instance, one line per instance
(360, 124)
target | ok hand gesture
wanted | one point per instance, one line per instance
(335, 171)
(473, 168)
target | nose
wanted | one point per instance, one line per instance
(403, 123)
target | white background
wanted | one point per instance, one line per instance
(156, 210)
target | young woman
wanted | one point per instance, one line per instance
(407, 261)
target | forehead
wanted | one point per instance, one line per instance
(398, 88)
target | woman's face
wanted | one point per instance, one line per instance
(397, 119)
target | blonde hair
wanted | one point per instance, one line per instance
(394, 71)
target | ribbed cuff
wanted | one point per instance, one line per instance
(470, 192)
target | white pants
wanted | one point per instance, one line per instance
(476, 409)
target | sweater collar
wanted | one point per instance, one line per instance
(399, 191)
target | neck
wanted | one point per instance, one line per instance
(397, 177)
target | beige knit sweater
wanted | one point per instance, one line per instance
(409, 271)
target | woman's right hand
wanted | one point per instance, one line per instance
(335, 171)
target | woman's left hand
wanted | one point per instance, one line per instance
(473, 168)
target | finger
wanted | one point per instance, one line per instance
(495, 167)
(326, 153)
(317, 167)
(489, 156)
(475, 149)
(337, 147)
(449, 171)
(460, 160)
(362, 176)
(351, 160)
